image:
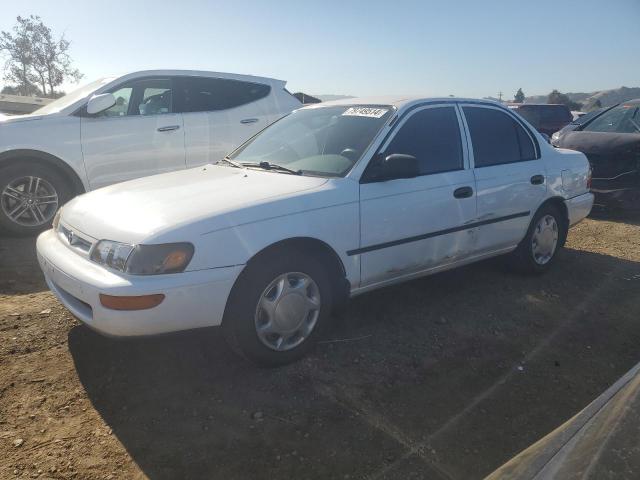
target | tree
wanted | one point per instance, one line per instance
(519, 96)
(35, 56)
(51, 59)
(9, 90)
(556, 97)
(595, 105)
(18, 47)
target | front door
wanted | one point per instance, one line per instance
(140, 135)
(411, 225)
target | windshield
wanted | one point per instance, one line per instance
(587, 116)
(71, 98)
(325, 141)
(625, 118)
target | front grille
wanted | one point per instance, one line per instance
(74, 240)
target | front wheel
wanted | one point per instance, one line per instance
(545, 236)
(277, 308)
(30, 195)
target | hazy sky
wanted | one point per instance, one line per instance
(469, 48)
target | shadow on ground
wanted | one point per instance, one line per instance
(19, 269)
(618, 216)
(443, 377)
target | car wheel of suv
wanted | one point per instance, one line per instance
(277, 308)
(30, 195)
(537, 251)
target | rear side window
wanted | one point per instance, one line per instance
(497, 138)
(433, 137)
(200, 94)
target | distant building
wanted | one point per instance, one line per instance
(19, 105)
(306, 99)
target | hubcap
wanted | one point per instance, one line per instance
(29, 201)
(544, 240)
(287, 311)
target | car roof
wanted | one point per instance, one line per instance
(635, 101)
(400, 102)
(518, 105)
(199, 73)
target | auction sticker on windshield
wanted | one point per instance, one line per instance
(365, 112)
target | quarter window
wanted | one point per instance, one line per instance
(211, 94)
(432, 136)
(497, 138)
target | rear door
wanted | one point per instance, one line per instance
(509, 173)
(140, 135)
(411, 225)
(219, 115)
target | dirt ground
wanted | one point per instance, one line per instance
(445, 377)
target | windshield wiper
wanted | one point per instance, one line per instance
(231, 162)
(273, 166)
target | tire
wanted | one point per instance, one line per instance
(537, 251)
(25, 182)
(259, 285)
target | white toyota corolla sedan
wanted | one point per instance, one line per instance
(334, 200)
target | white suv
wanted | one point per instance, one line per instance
(332, 201)
(117, 129)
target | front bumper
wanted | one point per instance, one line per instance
(192, 299)
(579, 207)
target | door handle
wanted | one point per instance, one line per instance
(249, 120)
(168, 128)
(463, 192)
(537, 180)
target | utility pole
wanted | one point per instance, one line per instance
(500, 96)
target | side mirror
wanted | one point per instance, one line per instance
(99, 103)
(396, 166)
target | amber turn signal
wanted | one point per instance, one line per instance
(140, 302)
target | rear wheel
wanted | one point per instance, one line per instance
(277, 308)
(545, 236)
(30, 195)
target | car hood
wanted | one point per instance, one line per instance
(16, 120)
(205, 198)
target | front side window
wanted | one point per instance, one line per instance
(621, 119)
(141, 97)
(497, 138)
(432, 136)
(326, 141)
(200, 94)
(154, 97)
(123, 100)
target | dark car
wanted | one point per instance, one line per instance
(611, 142)
(576, 123)
(547, 118)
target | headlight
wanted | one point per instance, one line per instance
(112, 254)
(143, 259)
(555, 136)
